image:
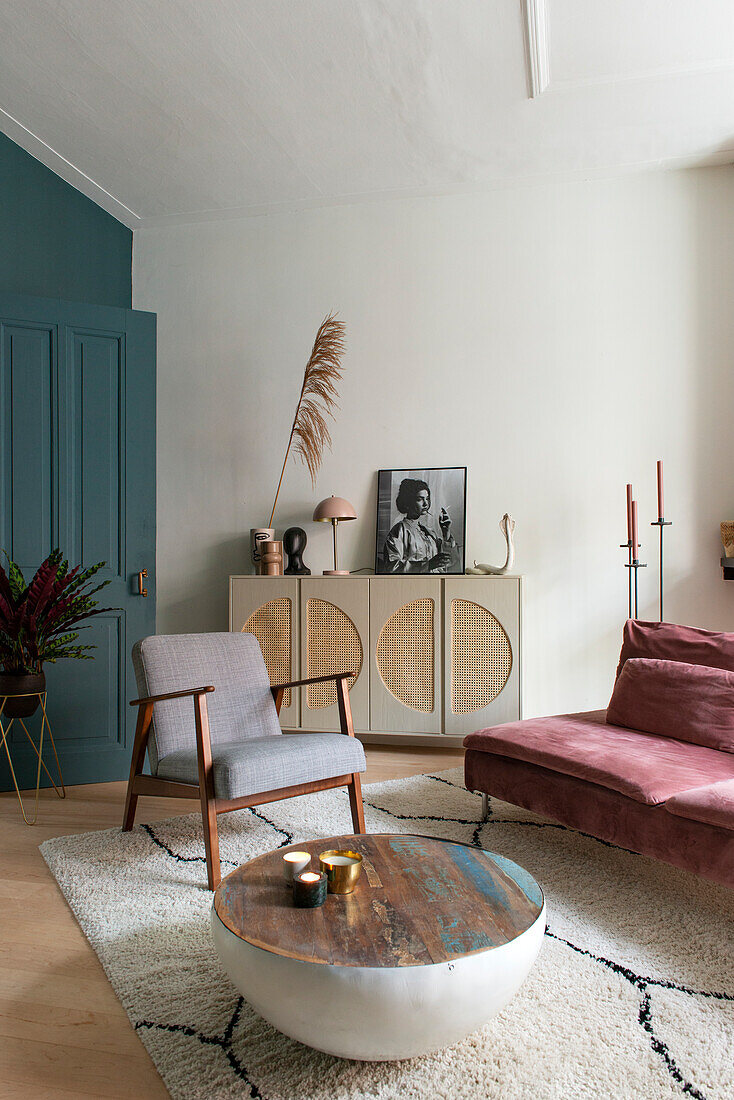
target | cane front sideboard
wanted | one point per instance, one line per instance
(433, 656)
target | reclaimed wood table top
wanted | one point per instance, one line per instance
(419, 900)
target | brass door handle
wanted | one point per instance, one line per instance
(142, 574)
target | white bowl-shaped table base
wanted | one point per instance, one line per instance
(435, 940)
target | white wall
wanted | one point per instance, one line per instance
(555, 339)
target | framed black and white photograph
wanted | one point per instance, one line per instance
(421, 520)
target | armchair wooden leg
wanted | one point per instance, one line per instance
(206, 793)
(211, 842)
(142, 729)
(356, 804)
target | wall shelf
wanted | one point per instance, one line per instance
(727, 564)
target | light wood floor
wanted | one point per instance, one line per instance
(63, 1033)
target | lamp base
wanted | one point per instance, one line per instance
(335, 573)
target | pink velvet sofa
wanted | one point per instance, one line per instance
(653, 774)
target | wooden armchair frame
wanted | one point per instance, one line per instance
(140, 784)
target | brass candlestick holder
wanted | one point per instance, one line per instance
(628, 547)
(634, 566)
(662, 524)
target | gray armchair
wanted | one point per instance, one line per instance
(230, 752)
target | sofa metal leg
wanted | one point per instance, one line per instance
(485, 807)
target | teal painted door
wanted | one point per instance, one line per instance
(77, 470)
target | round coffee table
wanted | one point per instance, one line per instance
(436, 939)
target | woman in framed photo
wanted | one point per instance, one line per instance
(411, 545)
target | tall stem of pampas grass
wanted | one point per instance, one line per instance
(310, 432)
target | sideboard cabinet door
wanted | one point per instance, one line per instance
(268, 608)
(405, 649)
(334, 638)
(482, 652)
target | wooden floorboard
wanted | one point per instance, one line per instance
(63, 1033)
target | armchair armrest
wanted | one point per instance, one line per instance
(142, 731)
(342, 694)
(147, 699)
(312, 680)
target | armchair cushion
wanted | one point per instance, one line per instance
(241, 706)
(268, 763)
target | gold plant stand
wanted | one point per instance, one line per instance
(37, 748)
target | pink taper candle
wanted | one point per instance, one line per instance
(661, 512)
(629, 513)
(634, 531)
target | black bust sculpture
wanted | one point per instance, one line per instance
(294, 543)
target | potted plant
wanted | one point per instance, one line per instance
(36, 622)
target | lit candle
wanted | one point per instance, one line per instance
(309, 889)
(634, 531)
(293, 864)
(629, 513)
(661, 512)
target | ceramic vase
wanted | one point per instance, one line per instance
(271, 560)
(259, 535)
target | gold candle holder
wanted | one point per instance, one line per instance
(342, 868)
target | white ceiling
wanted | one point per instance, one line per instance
(192, 109)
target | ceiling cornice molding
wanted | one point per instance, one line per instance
(696, 68)
(536, 46)
(721, 158)
(67, 171)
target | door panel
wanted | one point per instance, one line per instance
(97, 363)
(482, 658)
(268, 608)
(334, 638)
(99, 683)
(29, 385)
(78, 453)
(405, 648)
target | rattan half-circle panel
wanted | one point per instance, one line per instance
(405, 655)
(332, 645)
(271, 625)
(481, 657)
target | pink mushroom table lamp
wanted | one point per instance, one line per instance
(331, 511)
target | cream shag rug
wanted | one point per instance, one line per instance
(632, 994)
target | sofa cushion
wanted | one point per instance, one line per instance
(694, 845)
(669, 642)
(712, 804)
(643, 766)
(269, 763)
(688, 702)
